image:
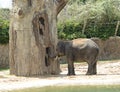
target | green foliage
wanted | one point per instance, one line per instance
(70, 30)
(98, 18)
(4, 35)
(4, 14)
(103, 31)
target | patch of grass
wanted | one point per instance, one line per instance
(106, 88)
(2, 69)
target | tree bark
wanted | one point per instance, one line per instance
(117, 27)
(33, 37)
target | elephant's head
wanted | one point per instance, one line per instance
(60, 49)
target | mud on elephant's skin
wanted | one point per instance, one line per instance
(79, 50)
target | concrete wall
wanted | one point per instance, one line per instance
(4, 55)
(109, 49)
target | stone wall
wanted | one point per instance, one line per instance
(4, 56)
(109, 49)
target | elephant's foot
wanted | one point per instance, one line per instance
(69, 74)
(91, 70)
(71, 71)
(91, 73)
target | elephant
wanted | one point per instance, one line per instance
(81, 49)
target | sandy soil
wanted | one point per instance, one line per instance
(108, 74)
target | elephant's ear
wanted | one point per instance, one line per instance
(60, 5)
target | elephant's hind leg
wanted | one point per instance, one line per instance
(91, 69)
(95, 68)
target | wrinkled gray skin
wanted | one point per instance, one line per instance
(79, 50)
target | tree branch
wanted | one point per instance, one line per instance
(60, 5)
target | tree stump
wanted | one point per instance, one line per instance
(33, 37)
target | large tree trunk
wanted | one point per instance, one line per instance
(33, 37)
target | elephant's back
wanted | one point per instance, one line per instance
(80, 42)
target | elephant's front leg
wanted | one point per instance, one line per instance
(71, 70)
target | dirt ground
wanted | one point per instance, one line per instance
(108, 73)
